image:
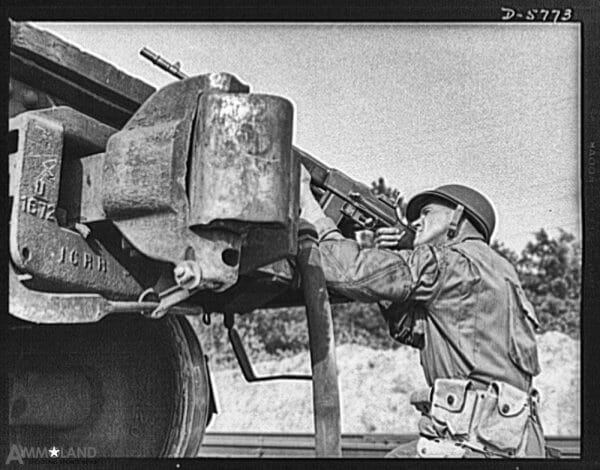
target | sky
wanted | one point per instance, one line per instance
(492, 106)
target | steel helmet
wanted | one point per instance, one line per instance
(477, 207)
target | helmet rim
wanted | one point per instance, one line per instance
(419, 200)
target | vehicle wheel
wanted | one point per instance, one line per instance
(123, 387)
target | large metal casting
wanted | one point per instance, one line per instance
(209, 170)
(49, 307)
(52, 256)
(203, 164)
(243, 174)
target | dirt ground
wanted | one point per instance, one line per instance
(375, 386)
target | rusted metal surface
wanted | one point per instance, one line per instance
(81, 191)
(62, 260)
(204, 188)
(243, 175)
(43, 307)
(241, 165)
(326, 393)
(145, 182)
(53, 255)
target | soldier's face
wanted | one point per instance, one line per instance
(433, 223)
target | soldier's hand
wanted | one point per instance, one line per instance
(305, 192)
(310, 210)
(388, 237)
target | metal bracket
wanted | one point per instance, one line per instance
(42, 307)
(244, 360)
(169, 299)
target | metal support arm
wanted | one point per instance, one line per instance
(326, 395)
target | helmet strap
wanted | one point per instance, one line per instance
(453, 229)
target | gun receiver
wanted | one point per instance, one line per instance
(349, 203)
(352, 204)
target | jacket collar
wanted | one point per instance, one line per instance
(463, 237)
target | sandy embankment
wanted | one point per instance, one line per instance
(375, 386)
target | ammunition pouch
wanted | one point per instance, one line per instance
(452, 407)
(491, 422)
(503, 414)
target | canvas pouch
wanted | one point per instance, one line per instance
(503, 414)
(452, 406)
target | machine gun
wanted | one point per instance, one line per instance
(350, 204)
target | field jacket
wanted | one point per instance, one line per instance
(478, 322)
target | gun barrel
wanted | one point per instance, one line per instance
(157, 60)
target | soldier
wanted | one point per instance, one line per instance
(462, 305)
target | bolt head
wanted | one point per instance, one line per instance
(187, 274)
(179, 271)
(30, 99)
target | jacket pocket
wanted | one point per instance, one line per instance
(452, 406)
(522, 322)
(504, 412)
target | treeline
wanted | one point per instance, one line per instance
(550, 272)
(549, 269)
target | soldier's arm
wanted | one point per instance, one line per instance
(368, 274)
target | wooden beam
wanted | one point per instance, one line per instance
(45, 62)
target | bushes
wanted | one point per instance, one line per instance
(265, 333)
(284, 332)
(550, 272)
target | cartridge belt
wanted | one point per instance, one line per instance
(491, 420)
